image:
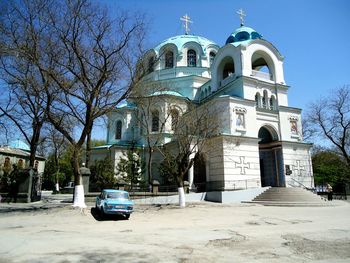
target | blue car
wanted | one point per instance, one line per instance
(114, 202)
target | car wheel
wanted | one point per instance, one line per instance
(102, 213)
(127, 216)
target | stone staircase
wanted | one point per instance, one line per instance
(289, 196)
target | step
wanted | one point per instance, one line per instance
(282, 196)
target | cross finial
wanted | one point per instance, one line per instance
(186, 20)
(241, 14)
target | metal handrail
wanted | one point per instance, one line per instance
(301, 184)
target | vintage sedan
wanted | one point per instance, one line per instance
(114, 202)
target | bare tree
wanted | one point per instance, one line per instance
(191, 138)
(22, 45)
(94, 52)
(329, 117)
(152, 117)
(83, 59)
(58, 144)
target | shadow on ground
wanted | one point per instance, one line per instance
(103, 217)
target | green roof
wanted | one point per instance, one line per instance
(181, 40)
(167, 92)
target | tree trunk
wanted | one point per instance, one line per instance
(88, 150)
(149, 165)
(34, 142)
(79, 198)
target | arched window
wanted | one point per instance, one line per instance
(272, 103)
(257, 100)
(150, 65)
(174, 118)
(169, 59)
(262, 66)
(20, 164)
(36, 165)
(211, 57)
(155, 121)
(191, 58)
(118, 130)
(265, 100)
(229, 68)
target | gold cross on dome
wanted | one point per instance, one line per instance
(241, 14)
(186, 20)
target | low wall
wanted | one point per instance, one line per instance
(234, 196)
(217, 196)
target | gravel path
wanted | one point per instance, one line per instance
(201, 232)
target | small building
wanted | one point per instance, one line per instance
(28, 181)
(17, 152)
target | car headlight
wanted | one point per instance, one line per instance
(130, 207)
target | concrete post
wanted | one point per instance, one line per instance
(155, 187)
(186, 187)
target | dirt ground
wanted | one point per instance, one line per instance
(201, 232)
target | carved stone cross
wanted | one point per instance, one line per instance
(241, 164)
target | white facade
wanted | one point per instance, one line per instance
(259, 142)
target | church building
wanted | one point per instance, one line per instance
(259, 141)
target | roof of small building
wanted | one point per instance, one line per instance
(18, 144)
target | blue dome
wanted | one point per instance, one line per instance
(18, 144)
(243, 33)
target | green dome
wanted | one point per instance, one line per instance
(243, 33)
(181, 40)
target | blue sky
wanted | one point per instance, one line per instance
(312, 35)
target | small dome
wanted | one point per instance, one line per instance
(125, 104)
(243, 33)
(167, 92)
(181, 40)
(18, 144)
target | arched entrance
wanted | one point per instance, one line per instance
(271, 160)
(200, 176)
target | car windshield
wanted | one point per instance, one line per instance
(117, 195)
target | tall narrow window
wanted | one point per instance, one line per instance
(191, 58)
(36, 165)
(155, 121)
(211, 58)
(265, 100)
(257, 100)
(20, 164)
(150, 65)
(174, 118)
(169, 59)
(272, 103)
(118, 130)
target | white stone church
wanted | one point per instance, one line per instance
(259, 142)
